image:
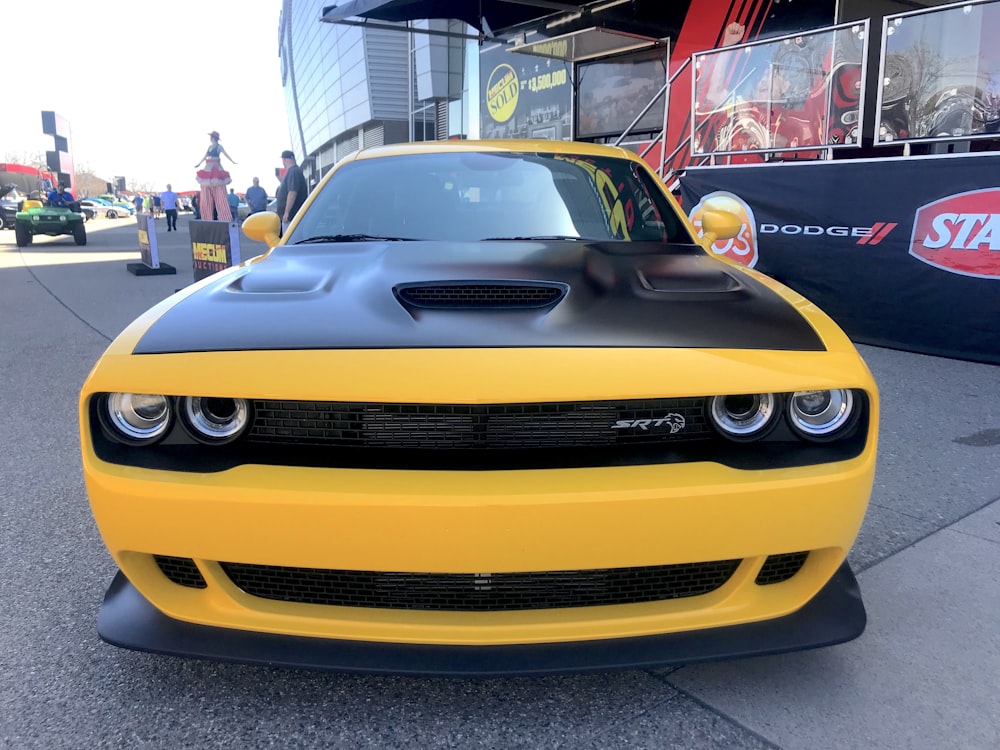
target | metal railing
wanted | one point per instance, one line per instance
(661, 136)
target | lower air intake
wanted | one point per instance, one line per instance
(779, 568)
(181, 570)
(481, 592)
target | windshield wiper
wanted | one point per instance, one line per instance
(350, 238)
(540, 237)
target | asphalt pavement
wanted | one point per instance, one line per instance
(925, 674)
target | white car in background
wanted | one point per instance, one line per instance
(103, 208)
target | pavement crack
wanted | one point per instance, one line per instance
(56, 297)
(932, 532)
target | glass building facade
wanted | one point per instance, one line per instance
(348, 87)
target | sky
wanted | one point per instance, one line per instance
(143, 83)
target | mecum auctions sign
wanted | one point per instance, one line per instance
(901, 252)
(215, 245)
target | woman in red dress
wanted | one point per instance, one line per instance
(213, 180)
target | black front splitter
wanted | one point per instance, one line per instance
(835, 615)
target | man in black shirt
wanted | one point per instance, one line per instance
(292, 191)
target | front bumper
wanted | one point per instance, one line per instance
(469, 523)
(835, 615)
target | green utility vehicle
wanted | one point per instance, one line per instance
(34, 217)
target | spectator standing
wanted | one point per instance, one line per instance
(234, 204)
(156, 206)
(292, 191)
(256, 197)
(196, 206)
(138, 204)
(169, 200)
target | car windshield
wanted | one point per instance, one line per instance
(477, 196)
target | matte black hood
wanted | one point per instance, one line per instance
(370, 295)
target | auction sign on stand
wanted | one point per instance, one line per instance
(215, 245)
(148, 251)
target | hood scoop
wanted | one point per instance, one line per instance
(480, 295)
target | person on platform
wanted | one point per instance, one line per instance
(256, 197)
(213, 180)
(168, 198)
(61, 197)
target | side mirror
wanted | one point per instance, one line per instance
(719, 224)
(263, 227)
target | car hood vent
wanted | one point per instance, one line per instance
(478, 295)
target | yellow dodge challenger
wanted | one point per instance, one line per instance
(485, 408)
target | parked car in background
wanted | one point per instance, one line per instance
(484, 408)
(271, 205)
(120, 202)
(103, 208)
(125, 205)
(8, 207)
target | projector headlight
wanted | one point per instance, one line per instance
(744, 417)
(818, 414)
(138, 418)
(215, 420)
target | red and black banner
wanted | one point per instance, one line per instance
(903, 253)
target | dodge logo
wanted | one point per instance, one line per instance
(960, 234)
(673, 421)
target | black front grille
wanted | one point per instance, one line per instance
(480, 427)
(485, 437)
(480, 592)
(466, 296)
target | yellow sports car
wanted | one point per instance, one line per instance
(485, 408)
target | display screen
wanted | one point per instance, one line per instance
(524, 96)
(612, 93)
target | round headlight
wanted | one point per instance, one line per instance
(820, 413)
(138, 417)
(215, 420)
(743, 417)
